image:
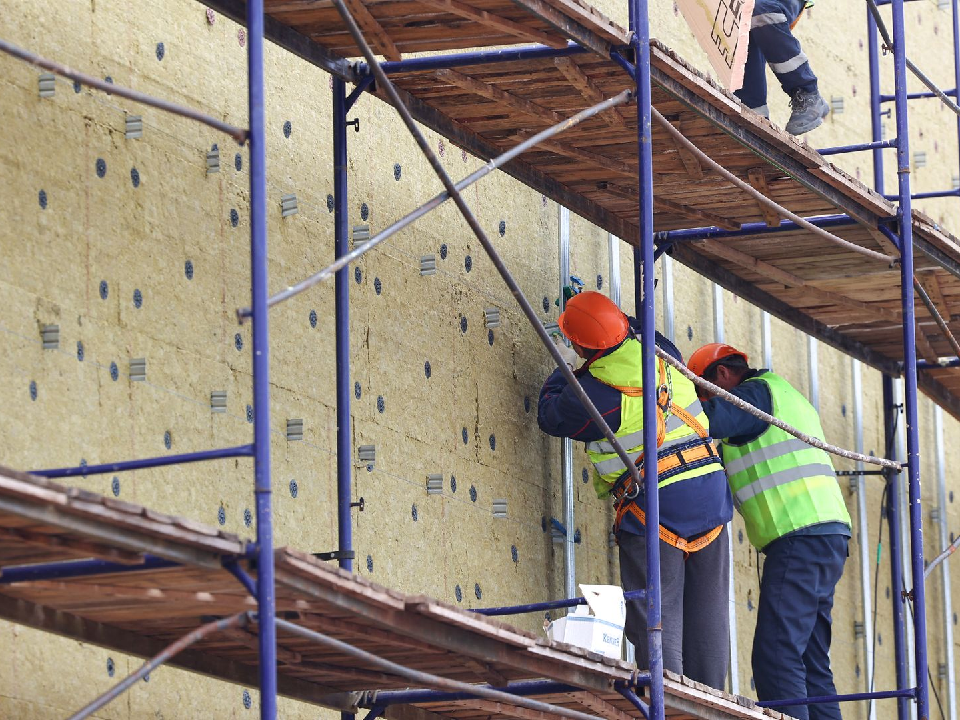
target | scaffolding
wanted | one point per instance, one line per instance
(631, 83)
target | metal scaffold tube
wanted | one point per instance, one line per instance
(342, 333)
(566, 444)
(266, 599)
(905, 216)
(640, 25)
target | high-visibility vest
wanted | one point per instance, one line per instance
(677, 402)
(780, 483)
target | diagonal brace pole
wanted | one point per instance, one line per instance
(383, 82)
(182, 644)
(437, 200)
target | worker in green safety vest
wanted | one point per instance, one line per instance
(787, 492)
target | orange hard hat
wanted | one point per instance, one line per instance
(709, 354)
(592, 320)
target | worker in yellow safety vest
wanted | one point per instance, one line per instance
(787, 493)
(695, 503)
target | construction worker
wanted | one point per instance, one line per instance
(787, 493)
(771, 41)
(695, 503)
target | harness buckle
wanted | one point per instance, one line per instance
(664, 397)
(632, 493)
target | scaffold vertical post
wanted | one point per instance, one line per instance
(261, 363)
(873, 53)
(342, 312)
(640, 24)
(910, 359)
(890, 420)
(341, 234)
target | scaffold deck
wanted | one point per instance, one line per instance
(140, 611)
(840, 297)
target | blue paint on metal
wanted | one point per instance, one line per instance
(135, 177)
(287, 129)
(904, 213)
(101, 167)
(484, 57)
(357, 275)
(126, 465)
(250, 414)
(137, 299)
(33, 390)
(77, 86)
(546, 304)
(246, 699)
(43, 199)
(294, 489)
(369, 563)
(104, 290)
(357, 390)
(443, 251)
(849, 697)
(377, 286)
(426, 369)
(526, 404)
(78, 568)
(468, 263)
(477, 591)
(111, 668)
(514, 554)
(490, 337)
(80, 353)
(161, 51)
(748, 229)
(221, 515)
(599, 282)
(234, 217)
(413, 512)
(238, 162)
(364, 211)
(397, 172)
(463, 323)
(549, 605)
(453, 483)
(381, 404)
(167, 440)
(458, 593)
(493, 442)
(646, 312)
(876, 144)
(238, 341)
(473, 493)
(361, 86)
(502, 228)
(247, 517)
(188, 269)
(114, 371)
(313, 318)
(919, 95)
(525, 688)
(115, 486)
(330, 204)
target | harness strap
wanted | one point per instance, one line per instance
(669, 537)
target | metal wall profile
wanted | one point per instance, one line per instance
(911, 694)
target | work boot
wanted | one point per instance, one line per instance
(809, 110)
(762, 111)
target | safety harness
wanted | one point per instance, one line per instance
(681, 458)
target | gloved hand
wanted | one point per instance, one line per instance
(568, 354)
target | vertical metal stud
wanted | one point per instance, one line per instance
(566, 444)
(946, 595)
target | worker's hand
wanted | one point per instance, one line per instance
(568, 354)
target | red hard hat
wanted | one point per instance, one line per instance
(592, 320)
(709, 354)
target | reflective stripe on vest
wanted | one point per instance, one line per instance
(779, 483)
(622, 368)
(635, 439)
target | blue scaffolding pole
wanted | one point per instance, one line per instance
(266, 598)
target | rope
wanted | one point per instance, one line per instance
(761, 198)
(756, 412)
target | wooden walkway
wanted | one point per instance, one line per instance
(141, 611)
(847, 301)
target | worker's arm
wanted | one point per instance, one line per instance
(730, 422)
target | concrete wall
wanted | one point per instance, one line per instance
(107, 259)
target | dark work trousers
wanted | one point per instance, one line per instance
(696, 630)
(772, 41)
(791, 645)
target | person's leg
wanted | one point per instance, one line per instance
(817, 657)
(706, 630)
(753, 93)
(770, 32)
(633, 576)
(786, 614)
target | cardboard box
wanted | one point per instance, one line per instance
(602, 631)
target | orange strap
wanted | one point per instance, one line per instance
(672, 538)
(794, 23)
(666, 464)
